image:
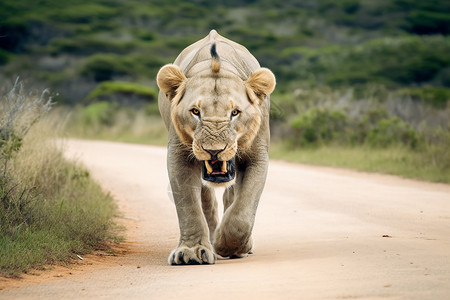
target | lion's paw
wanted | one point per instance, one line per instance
(196, 255)
(232, 246)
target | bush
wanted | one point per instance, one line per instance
(318, 126)
(102, 67)
(107, 89)
(5, 56)
(392, 131)
(436, 96)
(99, 113)
(108, 66)
(321, 126)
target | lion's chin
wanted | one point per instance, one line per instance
(217, 171)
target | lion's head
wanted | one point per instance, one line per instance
(216, 112)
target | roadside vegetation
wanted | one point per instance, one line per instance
(377, 132)
(380, 132)
(355, 78)
(50, 208)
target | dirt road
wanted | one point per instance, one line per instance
(319, 234)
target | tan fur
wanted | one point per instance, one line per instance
(215, 65)
(260, 84)
(170, 79)
(213, 85)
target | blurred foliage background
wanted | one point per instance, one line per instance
(350, 73)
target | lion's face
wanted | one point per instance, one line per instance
(216, 114)
(216, 117)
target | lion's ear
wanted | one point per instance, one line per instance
(171, 80)
(260, 84)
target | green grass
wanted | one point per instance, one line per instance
(395, 160)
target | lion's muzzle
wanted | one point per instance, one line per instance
(218, 171)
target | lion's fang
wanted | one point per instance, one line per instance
(208, 167)
(224, 167)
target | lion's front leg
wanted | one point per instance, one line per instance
(194, 246)
(233, 237)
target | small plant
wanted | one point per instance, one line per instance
(18, 113)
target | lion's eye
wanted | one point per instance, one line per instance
(235, 112)
(195, 112)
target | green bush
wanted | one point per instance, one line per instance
(318, 126)
(108, 88)
(375, 128)
(98, 114)
(102, 67)
(388, 132)
(436, 96)
(428, 22)
(5, 56)
(107, 66)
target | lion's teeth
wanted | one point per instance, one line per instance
(224, 166)
(208, 167)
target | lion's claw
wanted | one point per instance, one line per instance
(197, 255)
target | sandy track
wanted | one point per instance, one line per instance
(320, 233)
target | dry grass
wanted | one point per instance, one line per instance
(106, 121)
(50, 209)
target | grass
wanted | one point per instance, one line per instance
(395, 160)
(50, 208)
(106, 121)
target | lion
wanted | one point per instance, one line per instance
(214, 100)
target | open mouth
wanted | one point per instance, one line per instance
(218, 171)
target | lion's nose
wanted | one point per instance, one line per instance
(213, 153)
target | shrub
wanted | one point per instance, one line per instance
(436, 96)
(392, 131)
(99, 113)
(5, 57)
(18, 115)
(374, 127)
(319, 126)
(109, 88)
(102, 67)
